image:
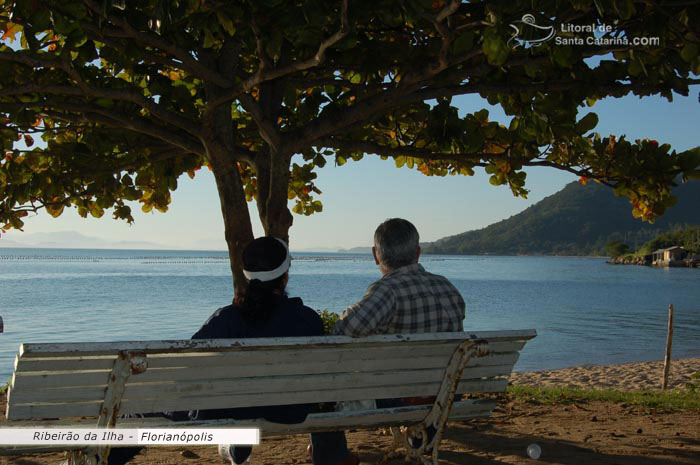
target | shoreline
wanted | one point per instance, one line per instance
(626, 377)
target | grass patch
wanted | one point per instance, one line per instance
(661, 400)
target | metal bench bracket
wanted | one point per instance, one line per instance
(126, 364)
(427, 452)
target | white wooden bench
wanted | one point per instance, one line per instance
(53, 384)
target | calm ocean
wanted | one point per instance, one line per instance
(586, 312)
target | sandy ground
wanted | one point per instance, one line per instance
(630, 376)
(577, 434)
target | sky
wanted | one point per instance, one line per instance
(360, 195)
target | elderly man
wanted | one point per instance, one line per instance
(407, 299)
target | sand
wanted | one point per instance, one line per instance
(627, 377)
(577, 434)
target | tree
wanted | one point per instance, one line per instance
(130, 95)
(616, 248)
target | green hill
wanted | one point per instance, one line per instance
(577, 220)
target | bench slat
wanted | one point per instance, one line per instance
(215, 345)
(206, 360)
(29, 365)
(329, 421)
(173, 403)
(27, 381)
(271, 385)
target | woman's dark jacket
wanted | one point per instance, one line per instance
(288, 319)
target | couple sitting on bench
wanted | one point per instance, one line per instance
(407, 299)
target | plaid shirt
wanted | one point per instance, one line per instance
(406, 300)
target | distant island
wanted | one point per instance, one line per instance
(72, 240)
(356, 250)
(576, 221)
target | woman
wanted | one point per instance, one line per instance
(263, 310)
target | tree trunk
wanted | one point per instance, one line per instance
(234, 209)
(277, 218)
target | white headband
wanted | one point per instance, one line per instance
(272, 274)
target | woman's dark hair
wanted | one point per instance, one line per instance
(260, 298)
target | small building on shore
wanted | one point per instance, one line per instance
(669, 256)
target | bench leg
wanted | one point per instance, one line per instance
(437, 418)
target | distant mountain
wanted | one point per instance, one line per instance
(577, 220)
(314, 249)
(70, 240)
(356, 250)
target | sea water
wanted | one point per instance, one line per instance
(585, 311)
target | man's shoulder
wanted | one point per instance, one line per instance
(413, 272)
(420, 276)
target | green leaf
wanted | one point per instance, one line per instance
(624, 8)
(463, 43)
(495, 48)
(274, 44)
(95, 210)
(587, 123)
(226, 23)
(563, 56)
(690, 52)
(54, 211)
(482, 116)
(209, 39)
(41, 19)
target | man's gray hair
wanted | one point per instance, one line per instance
(396, 242)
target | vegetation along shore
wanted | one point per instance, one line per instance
(678, 248)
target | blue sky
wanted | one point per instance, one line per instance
(359, 195)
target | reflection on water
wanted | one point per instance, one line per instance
(586, 312)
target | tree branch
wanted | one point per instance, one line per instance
(407, 151)
(578, 172)
(122, 95)
(88, 113)
(263, 75)
(472, 159)
(152, 40)
(267, 129)
(106, 36)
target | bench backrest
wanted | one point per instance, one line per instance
(70, 379)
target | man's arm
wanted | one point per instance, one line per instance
(364, 317)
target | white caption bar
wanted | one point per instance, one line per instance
(123, 436)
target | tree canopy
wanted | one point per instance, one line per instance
(130, 95)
